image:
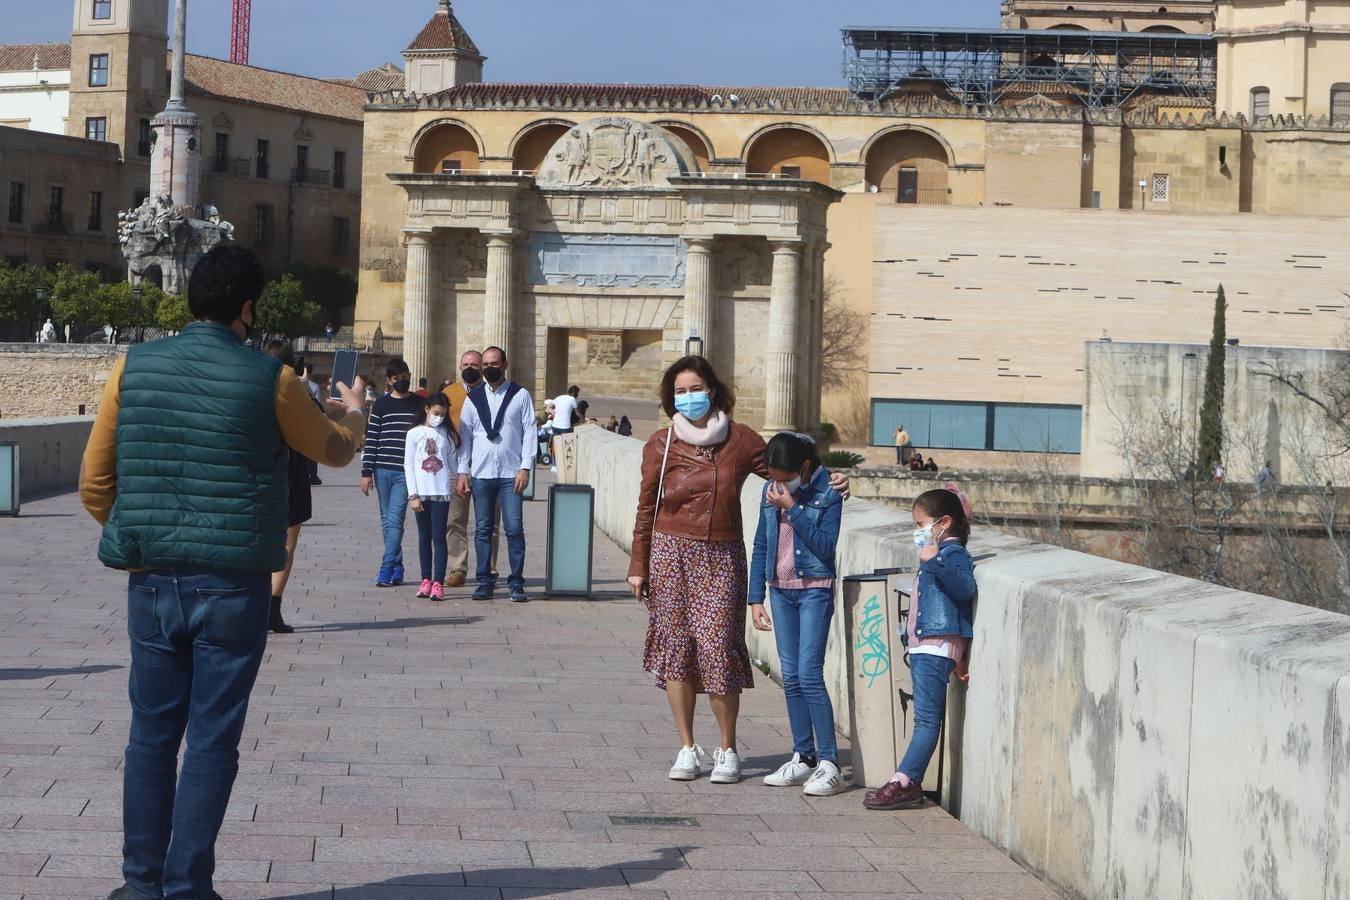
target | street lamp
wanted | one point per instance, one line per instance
(137, 295)
(693, 345)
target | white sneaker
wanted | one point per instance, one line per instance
(790, 774)
(690, 763)
(726, 767)
(825, 781)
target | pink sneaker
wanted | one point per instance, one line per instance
(425, 590)
(437, 591)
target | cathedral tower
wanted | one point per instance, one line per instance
(117, 53)
(442, 55)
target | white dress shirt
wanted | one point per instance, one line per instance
(516, 445)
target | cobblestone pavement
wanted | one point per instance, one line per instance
(397, 749)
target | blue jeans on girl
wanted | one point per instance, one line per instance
(930, 675)
(432, 549)
(801, 627)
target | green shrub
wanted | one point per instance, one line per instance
(842, 459)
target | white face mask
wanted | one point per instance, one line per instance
(434, 420)
(923, 536)
(794, 485)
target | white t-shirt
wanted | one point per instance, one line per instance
(564, 411)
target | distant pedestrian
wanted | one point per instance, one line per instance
(422, 389)
(902, 446)
(496, 456)
(583, 413)
(937, 637)
(794, 551)
(1265, 476)
(429, 469)
(930, 465)
(187, 473)
(625, 427)
(613, 425)
(565, 409)
(392, 417)
(1219, 472)
(916, 462)
(330, 331)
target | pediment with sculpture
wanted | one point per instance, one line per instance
(615, 152)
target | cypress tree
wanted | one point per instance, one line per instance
(1211, 410)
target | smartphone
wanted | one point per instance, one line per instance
(344, 371)
(300, 366)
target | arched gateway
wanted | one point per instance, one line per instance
(600, 265)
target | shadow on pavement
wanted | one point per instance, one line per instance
(30, 674)
(519, 882)
(386, 624)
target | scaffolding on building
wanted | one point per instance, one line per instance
(984, 66)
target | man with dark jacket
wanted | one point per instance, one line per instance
(186, 469)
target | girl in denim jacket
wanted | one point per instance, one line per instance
(938, 633)
(794, 556)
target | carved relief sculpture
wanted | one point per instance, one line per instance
(612, 152)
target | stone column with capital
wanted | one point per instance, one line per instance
(699, 290)
(499, 302)
(417, 306)
(780, 389)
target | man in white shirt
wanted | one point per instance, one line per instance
(496, 453)
(565, 411)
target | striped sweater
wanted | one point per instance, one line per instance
(387, 432)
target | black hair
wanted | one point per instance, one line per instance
(309, 368)
(222, 282)
(942, 502)
(421, 382)
(396, 367)
(281, 351)
(488, 350)
(719, 393)
(574, 391)
(438, 399)
(787, 451)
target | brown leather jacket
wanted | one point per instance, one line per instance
(702, 493)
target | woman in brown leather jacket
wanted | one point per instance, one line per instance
(689, 562)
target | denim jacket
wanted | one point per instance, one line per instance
(815, 527)
(947, 593)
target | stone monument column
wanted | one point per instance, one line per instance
(175, 163)
(780, 389)
(417, 306)
(699, 291)
(499, 303)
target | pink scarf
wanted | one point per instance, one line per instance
(712, 432)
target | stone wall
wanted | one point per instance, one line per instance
(38, 380)
(1125, 733)
(50, 452)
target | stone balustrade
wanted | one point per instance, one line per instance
(1125, 733)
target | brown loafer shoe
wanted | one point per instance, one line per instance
(893, 796)
(456, 579)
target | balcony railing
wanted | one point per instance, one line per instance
(54, 223)
(240, 166)
(317, 177)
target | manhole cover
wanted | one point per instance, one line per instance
(684, 821)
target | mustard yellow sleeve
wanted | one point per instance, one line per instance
(306, 428)
(98, 468)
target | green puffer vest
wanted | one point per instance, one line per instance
(201, 466)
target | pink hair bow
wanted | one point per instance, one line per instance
(960, 495)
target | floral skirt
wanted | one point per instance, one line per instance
(698, 609)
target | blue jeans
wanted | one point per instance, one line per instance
(930, 675)
(197, 640)
(393, 493)
(801, 627)
(489, 496)
(431, 525)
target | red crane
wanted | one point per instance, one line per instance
(239, 31)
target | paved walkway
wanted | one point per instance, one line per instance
(399, 750)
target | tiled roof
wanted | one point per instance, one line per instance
(623, 95)
(387, 77)
(19, 57)
(443, 32)
(211, 77)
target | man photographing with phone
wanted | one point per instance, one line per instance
(186, 469)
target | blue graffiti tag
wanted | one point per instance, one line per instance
(876, 660)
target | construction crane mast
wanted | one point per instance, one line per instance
(239, 31)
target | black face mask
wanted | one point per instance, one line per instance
(493, 374)
(402, 385)
(471, 376)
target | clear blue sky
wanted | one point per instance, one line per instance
(749, 42)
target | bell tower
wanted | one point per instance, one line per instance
(118, 50)
(442, 55)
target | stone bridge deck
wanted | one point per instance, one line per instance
(399, 750)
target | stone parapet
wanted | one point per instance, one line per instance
(1125, 733)
(50, 451)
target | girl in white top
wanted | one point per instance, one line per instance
(429, 469)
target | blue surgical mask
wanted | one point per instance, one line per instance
(693, 406)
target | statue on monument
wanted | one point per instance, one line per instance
(611, 152)
(170, 231)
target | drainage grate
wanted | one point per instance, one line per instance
(685, 821)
